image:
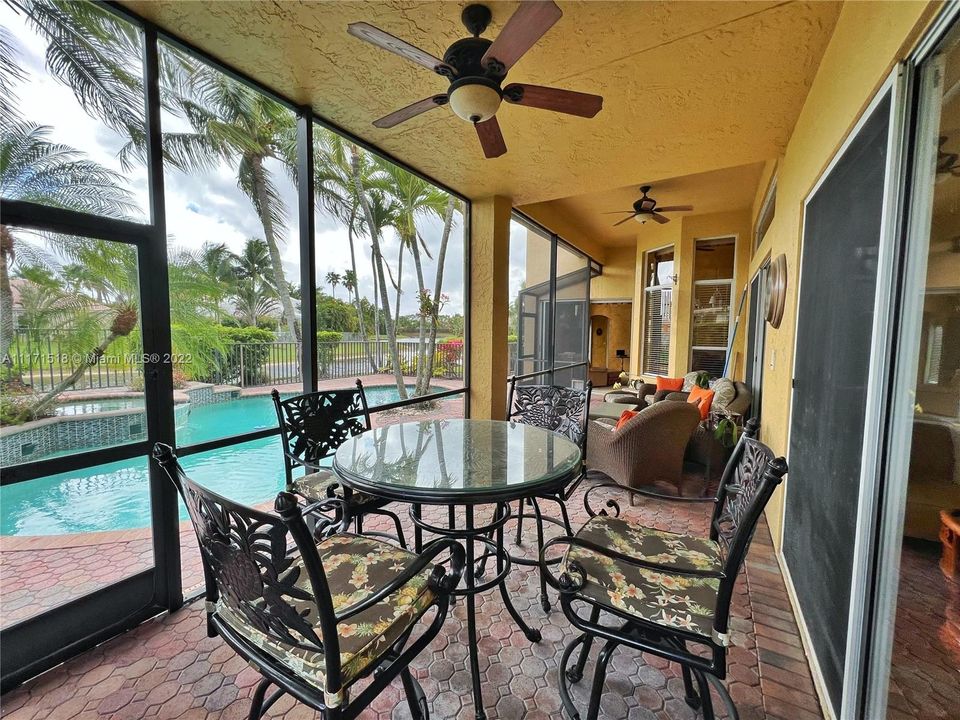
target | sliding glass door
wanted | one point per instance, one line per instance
(915, 649)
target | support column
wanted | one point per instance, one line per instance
(489, 305)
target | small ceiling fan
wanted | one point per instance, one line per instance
(646, 209)
(476, 68)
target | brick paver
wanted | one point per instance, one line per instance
(168, 668)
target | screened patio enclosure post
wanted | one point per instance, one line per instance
(550, 313)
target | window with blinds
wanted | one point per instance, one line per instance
(657, 312)
(656, 341)
(711, 325)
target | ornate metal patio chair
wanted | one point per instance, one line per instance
(665, 593)
(562, 410)
(314, 612)
(312, 427)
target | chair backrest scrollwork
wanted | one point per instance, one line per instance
(314, 425)
(749, 479)
(251, 573)
(552, 407)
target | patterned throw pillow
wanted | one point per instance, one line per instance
(689, 381)
(724, 393)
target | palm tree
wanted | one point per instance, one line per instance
(379, 211)
(215, 262)
(93, 51)
(253, 261)
(247, 129)
(417, 198)
(433, 305)
(336, 194)
(253, 301)
(333, 279)
(36, 170)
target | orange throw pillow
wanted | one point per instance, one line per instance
(625, 418)
(672, 384)
(702, 398)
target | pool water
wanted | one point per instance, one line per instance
(116, 496)
(86, 407)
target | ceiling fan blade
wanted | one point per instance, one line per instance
(657, 217)
(624, 220)
(547, 98)
(675, 208)
(524, 28)
(388, 42)
(491, 139)
(619, 212)
(410, 111)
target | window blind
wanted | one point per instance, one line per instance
(656, 322)
(711, 325)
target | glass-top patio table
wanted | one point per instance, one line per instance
(462, 463)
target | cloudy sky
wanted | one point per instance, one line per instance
(209, 207)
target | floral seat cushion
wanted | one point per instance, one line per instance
(679, 601)
(356, 567)
(324, 484)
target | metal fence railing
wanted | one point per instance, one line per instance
(45, 360)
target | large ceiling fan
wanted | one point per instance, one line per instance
(646, 209)
(476, 68)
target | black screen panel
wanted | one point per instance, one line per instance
(834, 329)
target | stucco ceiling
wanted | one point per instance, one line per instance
(688, 86)
(710, 192)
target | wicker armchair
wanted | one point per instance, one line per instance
(648, 448)
(288, 601)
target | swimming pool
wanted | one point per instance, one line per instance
(117, 496)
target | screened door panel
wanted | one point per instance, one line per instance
(842, 233)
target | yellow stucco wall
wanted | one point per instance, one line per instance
(617, 333)
(682, 233)
(867, 41)
(489, 305)
(619, 274)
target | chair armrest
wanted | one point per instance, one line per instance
(303, 463)
(678, 396)
(567, 584)
(645, 389)
(635, 491)
(441, 581)
(329, 524)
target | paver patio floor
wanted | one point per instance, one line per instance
(167, 668)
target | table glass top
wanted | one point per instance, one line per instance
(456, 457)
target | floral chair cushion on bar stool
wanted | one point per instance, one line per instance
(322, 484)
(675, 600)
(355, 566)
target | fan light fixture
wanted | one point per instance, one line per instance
(476, 68)
(474, 102)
